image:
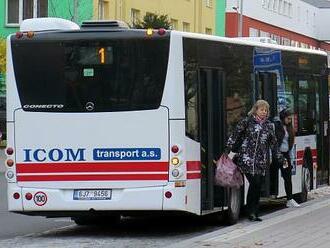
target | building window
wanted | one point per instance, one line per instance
(264, 34)
(174, 24)
(285, 8)
(42, 8)
(253, 32)
(280, 6)
(103, 8)
(12, 11)
(18, 10)
(186, 27)
(275, 4)
(208, 31)
(135, 15)
(290, 10)
(209, 3)
(285, 41)
(270, 4)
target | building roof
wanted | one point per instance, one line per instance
(318, 3)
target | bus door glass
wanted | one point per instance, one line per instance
(211, 133)
(266, 89)
(312, 120)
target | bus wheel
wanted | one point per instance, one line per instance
(305, 187)
(234, 205)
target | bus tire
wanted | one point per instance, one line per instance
(234, 205)
(305, 184)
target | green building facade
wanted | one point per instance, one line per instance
(220, 17)
(52, 8)
(74, 10)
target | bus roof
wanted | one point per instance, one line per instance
(57, 24)
(248, 42)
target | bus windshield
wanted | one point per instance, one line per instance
(58, 73)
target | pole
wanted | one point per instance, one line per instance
(240, 28)
(75, 11)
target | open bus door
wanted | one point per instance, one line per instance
(322, 128)
(212, 138)
(266, 89)
(211, 111)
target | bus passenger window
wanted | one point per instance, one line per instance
(191, 99)
(307, 99)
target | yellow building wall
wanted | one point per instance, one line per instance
(201, 18)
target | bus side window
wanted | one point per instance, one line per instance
(307, 98)
(191, 100)
(289, 94)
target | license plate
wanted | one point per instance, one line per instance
(92, 194)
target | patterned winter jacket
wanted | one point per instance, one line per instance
(257, 139)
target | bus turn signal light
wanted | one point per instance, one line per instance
(175, 161)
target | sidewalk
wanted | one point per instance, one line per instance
(305, 227)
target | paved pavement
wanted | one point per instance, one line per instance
(304, 227)
(13, 225)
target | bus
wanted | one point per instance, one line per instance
(105, 121)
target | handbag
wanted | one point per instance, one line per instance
(227, 173)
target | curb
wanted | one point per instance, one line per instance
(246, 227)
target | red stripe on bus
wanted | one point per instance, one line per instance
(300, 153)
(194, 175)
(300, 161)
(92, 167)
(123, 177)
(193, 165)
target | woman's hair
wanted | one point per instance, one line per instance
(258, 104)
(285, 113)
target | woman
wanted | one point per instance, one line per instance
(252, 139)
(285, 137)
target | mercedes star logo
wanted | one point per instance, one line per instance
(89, 106)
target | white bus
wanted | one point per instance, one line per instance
(104, 120)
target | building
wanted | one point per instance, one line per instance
(185, 15)
(299, 23)
(13, 12)
(220, 17)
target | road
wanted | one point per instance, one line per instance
(25, 231)
(12, 225)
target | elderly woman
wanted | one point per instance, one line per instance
(251, 140)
